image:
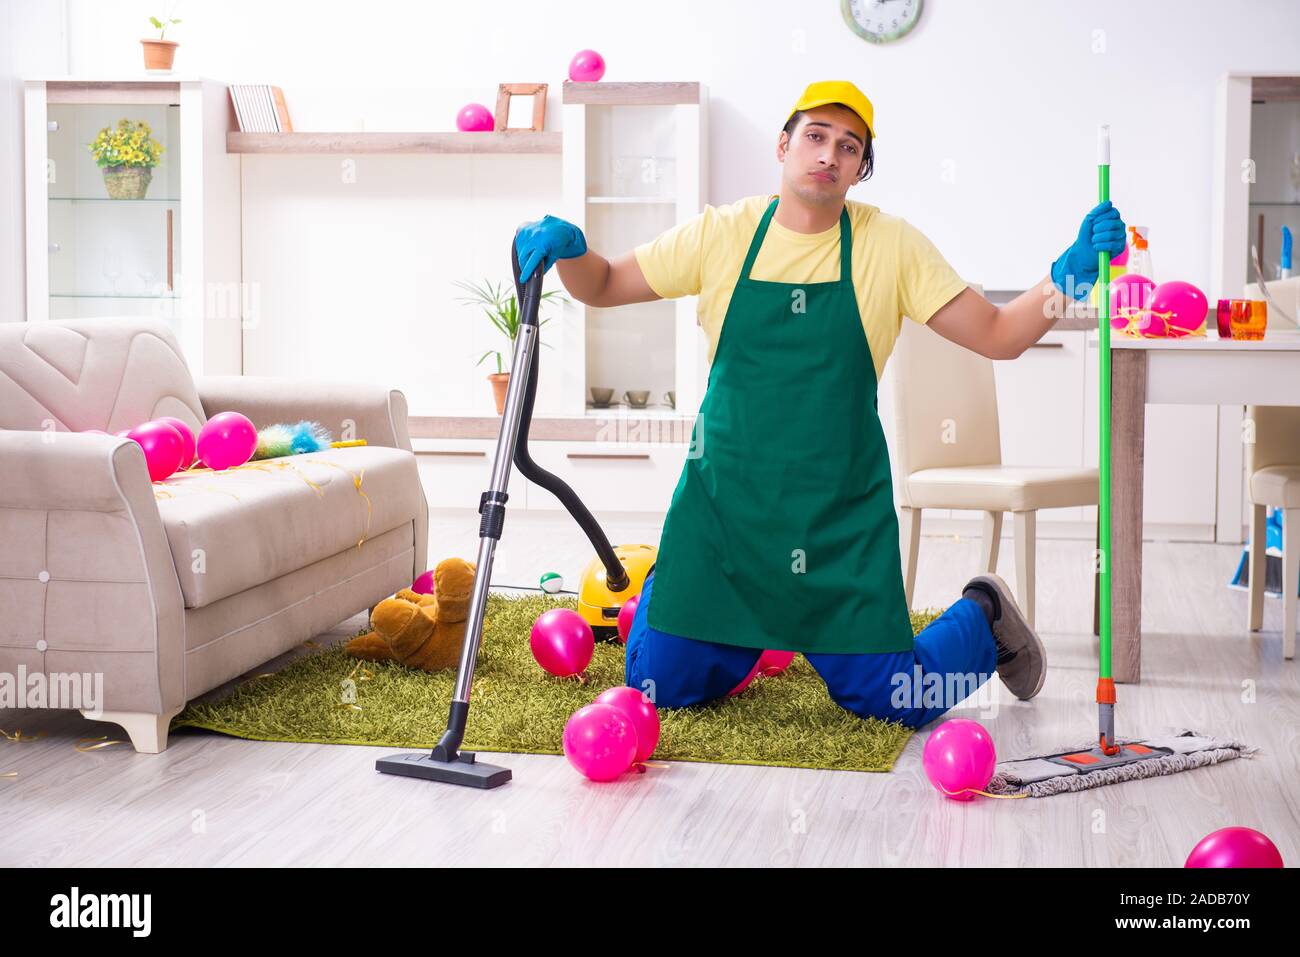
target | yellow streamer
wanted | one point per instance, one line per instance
(1001, 797)
(104, 742)
(8, 774)
(21, 738)
(270, 467)
(1134, 316)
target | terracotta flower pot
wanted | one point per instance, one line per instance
(127, 182)
(500, 385)
(159, 54)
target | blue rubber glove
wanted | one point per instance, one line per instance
(545, 241)
(1075, 272)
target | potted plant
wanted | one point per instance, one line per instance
(160, 53)
(127, 155)
(502, 308)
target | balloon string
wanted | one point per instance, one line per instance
(1001, 797)
(1134, 316)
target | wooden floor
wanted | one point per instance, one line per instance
(212, 800)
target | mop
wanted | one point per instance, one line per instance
(1109, 761)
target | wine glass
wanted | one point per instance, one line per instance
(112, 266)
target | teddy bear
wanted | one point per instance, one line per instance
(421, 631)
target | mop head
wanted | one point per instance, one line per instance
(1181, 751)
(281, 439)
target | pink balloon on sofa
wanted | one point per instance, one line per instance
(474, 118)
(1184, 304)
(1128, 293)
(162, 445)
(187, 436)
(424, 584)
(226, 440)
(587, 66)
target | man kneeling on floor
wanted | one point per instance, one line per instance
(782, 532)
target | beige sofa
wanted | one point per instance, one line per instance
(168, 590)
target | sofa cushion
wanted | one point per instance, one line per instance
(80, 374)
(231, 530)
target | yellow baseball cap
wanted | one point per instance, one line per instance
(837, 91)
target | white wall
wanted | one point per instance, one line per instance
(987, 113)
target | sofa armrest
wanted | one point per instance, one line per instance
(376, 414)
(87, 579)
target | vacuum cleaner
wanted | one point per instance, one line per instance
(616, 574)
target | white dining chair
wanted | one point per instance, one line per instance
(948, 455)
(1273, 481)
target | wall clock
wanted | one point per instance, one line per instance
(881, 21)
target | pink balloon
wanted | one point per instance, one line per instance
(600, 742)
(424, 584)
(625, 616)
(187, 436)
(562, 642)
(162, 446)
(475, 118)
(587, 66)
(226, 440)
(959, 755)
(772, 663)
(1185, 302)
(1128, 293)
(638, 709)
(1234, 847)
(769, 664)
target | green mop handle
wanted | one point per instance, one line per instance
(1105, 682)
(1103, 343)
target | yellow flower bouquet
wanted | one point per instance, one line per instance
(127, 156)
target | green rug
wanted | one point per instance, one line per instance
(328, 698)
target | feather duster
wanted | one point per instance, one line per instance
(281, 439)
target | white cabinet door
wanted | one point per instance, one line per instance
(1180, 462)
(455, 472)
(610, 477)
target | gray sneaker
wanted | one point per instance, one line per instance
(1022, 660)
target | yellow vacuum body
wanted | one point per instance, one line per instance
(598, 605)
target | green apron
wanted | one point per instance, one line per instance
(782, 532)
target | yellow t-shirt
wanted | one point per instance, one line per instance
(897, 271)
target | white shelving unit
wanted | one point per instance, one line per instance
(173, 255)
(634, 165)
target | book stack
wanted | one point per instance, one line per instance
(260, 108)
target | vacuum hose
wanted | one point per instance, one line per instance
(530, 297)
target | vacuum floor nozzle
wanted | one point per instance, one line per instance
(464, 770)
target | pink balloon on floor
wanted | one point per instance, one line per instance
(1235, 847)
(562, 642)
(187, 436)
(625, 616)
(162, 446)
(587, 66)
(227, 439)
(769, 664)
(641, 712)
(424, 584)
(959, 755)
(475, 118)
(600, 742)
